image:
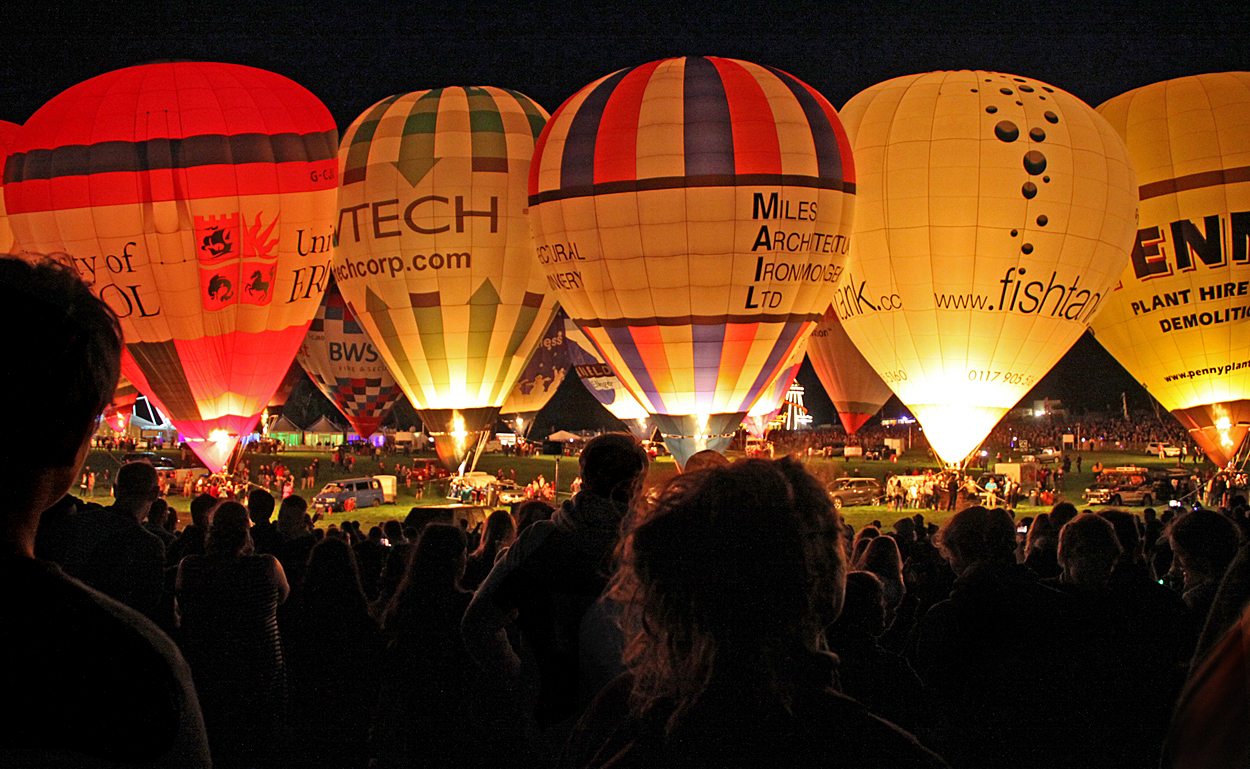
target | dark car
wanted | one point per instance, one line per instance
(855, 491)
(155, 460)
(349, 494)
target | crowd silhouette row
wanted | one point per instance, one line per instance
(728, 617)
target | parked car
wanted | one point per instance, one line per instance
(349, 494)
(155, 460)
(1162, 450)
(855, 491)
(1122, 486)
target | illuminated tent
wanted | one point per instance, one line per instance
(995, 215)
(197, 200)
(852, 384)
(1178, 320)
(324, 432)
(694, 215)
(434, 254)
(7, 133)
(542, 375)
(346, 367)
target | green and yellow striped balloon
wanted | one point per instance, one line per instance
(433, 250)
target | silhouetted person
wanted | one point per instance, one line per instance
(191, 541)
(882, 680)
(111, 550)
(723, 586)
(426, 713)
(331, 700)
(1203, 544)
(265, 536)
(980, 652)
(552, 574)
(90, 681)
(500, 533)
(228, 600)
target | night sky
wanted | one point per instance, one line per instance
(350, 55)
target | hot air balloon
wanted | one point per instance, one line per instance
(773, 398)
(290, 379)
(602, 382)
(1178, 319)
(995, 215)
(434, 255)
(856, 390)
(693, 214)
(7, 133)
(542, 375)
(346, 367)
(197, 200)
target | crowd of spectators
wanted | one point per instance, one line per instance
(726, 618)
(1020, 435)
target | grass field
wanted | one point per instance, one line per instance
(529, 468)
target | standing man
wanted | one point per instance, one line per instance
(111, 550)
(552, 575)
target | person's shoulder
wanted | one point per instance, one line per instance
(97, 663)
(877, 742)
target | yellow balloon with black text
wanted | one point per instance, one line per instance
(995, 214)
(1180, 319)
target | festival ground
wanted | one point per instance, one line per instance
(529, 468)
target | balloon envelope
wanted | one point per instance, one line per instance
(434, 254)
(197, 200)
(7, 133)
(693, 215)
(773, 398)
(542, 375)
(856, 390)
(995, 215)
(1178, 319)
(346, 367)
(602, 382)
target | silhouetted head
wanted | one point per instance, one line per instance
(976, 535)
(136, 487)
(531, 511)
(734, 568)
(69, 345)
(500, 533)
(1204, 543)
(1061, 513)
(1126, 532)
(228, 533)
(202, 510)
(864, 609)
(703, 460)
(260, 506)
(613, 465)
(332, 572)
(882, 558)
(438, 558)
(1088, 550)
(394, 531)
(293, 516)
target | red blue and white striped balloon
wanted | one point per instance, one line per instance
(692, 215)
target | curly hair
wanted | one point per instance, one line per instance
(734, 568)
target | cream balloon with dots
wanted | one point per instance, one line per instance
(994, 215)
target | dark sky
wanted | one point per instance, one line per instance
(352, 54)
